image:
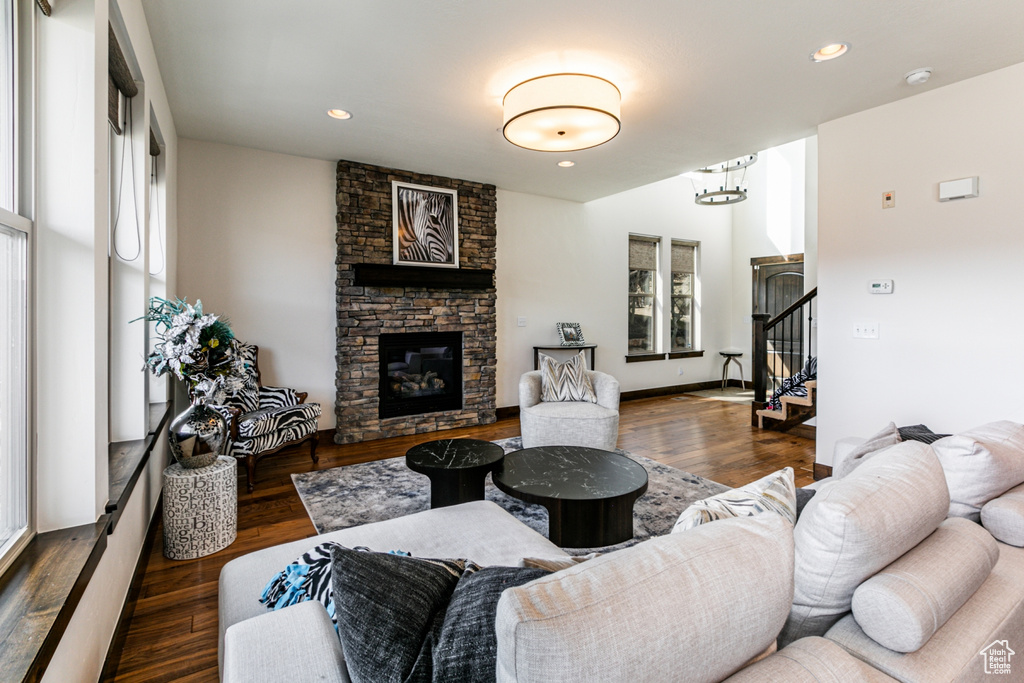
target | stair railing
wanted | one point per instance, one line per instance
(778, 347)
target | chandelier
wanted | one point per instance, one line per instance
(724, 183)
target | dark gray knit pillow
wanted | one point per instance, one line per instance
(389, 610)
(467, 647)
(919, 433)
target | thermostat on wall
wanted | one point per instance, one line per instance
(880, 286)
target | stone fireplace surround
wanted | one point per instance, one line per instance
(364, 312)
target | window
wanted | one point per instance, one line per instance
(15, 236)
(643, 279)
(684, 261)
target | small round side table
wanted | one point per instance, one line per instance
(200, 509)
(456, 468)
(731, 357)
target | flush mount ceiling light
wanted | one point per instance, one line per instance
(561, 113)
(724, 183)
(830, 51)
(339, 114)
(566, 163)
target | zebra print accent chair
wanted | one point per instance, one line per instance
(265, 420)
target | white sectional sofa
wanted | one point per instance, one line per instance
(707, 604)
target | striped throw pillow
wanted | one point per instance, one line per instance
(776, 493)
(566, 381)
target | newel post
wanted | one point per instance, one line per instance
(760, 364)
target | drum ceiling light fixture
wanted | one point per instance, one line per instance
(561, 113)
(724, 183)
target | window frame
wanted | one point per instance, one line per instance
(653, 296)
(692, 296)
(20, 219)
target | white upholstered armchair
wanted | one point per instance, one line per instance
(570, 423)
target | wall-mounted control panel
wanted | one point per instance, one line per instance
(880, 286)
(964, 188)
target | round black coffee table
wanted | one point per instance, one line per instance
(456, 468)
(589, 493)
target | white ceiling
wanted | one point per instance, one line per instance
(701, 81)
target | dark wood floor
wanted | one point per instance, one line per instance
(173, 633)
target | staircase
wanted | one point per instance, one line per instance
(795, 410)
(778, 352)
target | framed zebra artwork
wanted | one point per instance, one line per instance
(426, 225)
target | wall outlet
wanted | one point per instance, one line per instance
(521, 321)
(680, 372)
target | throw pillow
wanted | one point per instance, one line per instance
(307, 578)
(247, 398)
(803, 497)
(467, 647)
(920, 433)
(980, 465)
(390, 611)
(566, 381)
(889, 436)
(775, 493)
(555, 564)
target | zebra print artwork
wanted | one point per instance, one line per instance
(426, 229)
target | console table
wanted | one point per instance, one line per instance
(559, 347)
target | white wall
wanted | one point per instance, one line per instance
(257, 244)
(564, 261)
(948, 353)
(771, 222)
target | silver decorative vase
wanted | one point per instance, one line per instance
(198, 435)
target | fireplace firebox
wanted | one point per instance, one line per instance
(420, 372)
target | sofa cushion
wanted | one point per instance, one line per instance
(888, 437)
(566, 381)
(774, 493)
(596, 621)
(903, 605)
(994, 612)
(480, 530)
(980, 465)
(855, 526)
(810, 660)
(268, 442)
(1003, 517)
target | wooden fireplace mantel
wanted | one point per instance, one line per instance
(387, 275)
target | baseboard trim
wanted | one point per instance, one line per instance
(116, 647)
(513, 411)
(806, 431)
(822, 471)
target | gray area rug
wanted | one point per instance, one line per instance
(371, 492)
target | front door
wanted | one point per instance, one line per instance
(778, 283)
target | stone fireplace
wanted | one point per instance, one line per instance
(379, 304)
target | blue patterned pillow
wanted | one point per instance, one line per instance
(307, 578)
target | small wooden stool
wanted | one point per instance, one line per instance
(731, 357)
(200, 509)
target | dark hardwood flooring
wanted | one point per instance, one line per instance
(172, 635)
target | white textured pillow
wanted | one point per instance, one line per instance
(774, 493)
(902, 606)
(888, 437)
(980, 465)
(855, 526)
(1003, 517)
(566, 381)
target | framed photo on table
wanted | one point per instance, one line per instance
(425, 228)
(570, 334)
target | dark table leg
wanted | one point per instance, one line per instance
(590, 523)
(452, 487)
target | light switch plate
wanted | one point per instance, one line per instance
(521, 321)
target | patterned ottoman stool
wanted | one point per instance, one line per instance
(200, 509)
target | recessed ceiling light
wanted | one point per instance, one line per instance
(339, 114)
(830, 51)
(566, 163)
(918, 76)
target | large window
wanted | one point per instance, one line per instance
(7, 157)
(643, 282)
(684, 270)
